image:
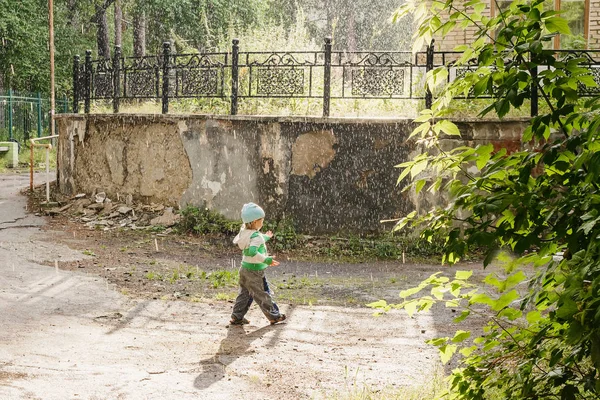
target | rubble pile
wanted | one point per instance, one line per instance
(100, 212)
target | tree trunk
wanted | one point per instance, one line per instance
(102, 33)
(139, 34)
(352, 30)
(72, 14)
(328, 5)
(118, 23)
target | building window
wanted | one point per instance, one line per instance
(576, 13)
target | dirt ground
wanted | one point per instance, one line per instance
(155, 266)
(134, 314)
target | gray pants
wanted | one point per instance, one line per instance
(252, 287)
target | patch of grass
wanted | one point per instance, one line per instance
(223, 278)
(153, 276)
(89, 253)
(39, 158)
(225, 296)
(215, 279)
(368, 248)
(428, 389)
(339, 248)
(285, 236)
(157, 229)
(205, 221)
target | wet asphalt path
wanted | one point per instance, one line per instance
(69, 335)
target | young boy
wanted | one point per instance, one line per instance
(255, 260)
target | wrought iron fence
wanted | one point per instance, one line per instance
(25, 115)
(238, 75)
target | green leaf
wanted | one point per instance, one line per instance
(587, 80)
(533, 317)
(569, 392)
(485, 153)
(505, 300)
(418, 167)
(460, 336)
(493, 281)
(514, 280)
(467, 351)
(462, 316)
(378, 304)
(448, 127)
(404, 172)
(447, 351)
(438, 292)
(409, 292)
(511, 314)
(588, 226)
(481, 298)
(419, 185)
(490, 256)
(557, 24)
(502, 107)
(463, 275)
(411, 307)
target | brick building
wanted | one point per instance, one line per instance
(583, 17)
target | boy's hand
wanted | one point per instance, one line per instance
(269, 234)
(274, 263)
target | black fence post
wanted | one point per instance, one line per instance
(88, 81)
(429, 67)
(166, 70)
(534, 92)
(76, 85)
(327, 78)
(235, 58)
(116, 67)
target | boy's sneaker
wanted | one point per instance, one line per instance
(242, 321)
(279, 319)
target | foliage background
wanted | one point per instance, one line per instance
(535, 212)
(203, 25)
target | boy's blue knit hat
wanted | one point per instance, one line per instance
(252, 212)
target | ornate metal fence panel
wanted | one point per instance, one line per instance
(102, 79)
(323, 75)
(373, 75)
(141, 77)
(198, 75)
(284, 74)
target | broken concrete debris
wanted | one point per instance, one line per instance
(167, 219)
(100, 197)
(100, 212)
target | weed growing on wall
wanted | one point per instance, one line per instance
(204, 221)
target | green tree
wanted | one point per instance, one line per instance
(542, 335)
(24, 57)
(21, 50)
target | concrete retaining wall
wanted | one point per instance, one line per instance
(326, 175)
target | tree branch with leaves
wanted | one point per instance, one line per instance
(542, 336)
